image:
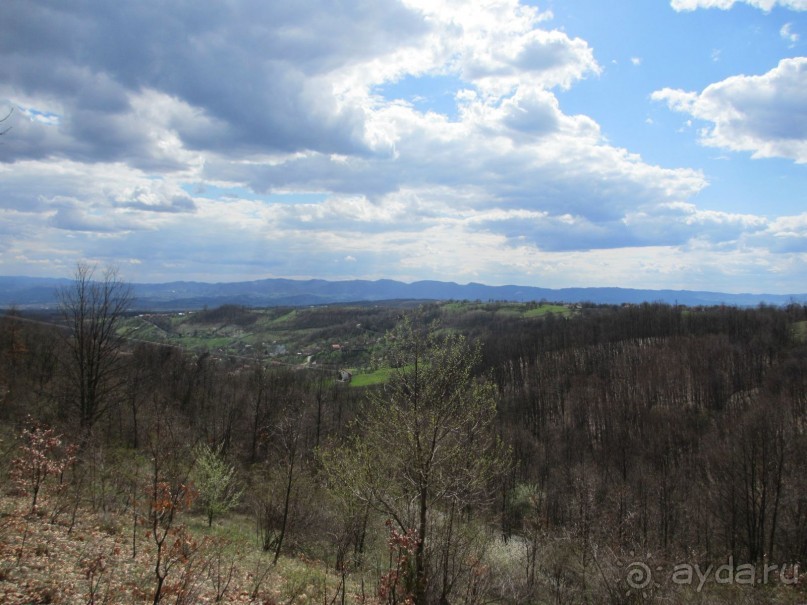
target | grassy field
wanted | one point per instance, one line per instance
(546, 309)
(366, 379)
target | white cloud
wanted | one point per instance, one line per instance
(788, 34)
(765, 5)
(255, 78)
(786, 234)
(126, 108)
(766, 115)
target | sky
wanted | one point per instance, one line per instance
(633, 143)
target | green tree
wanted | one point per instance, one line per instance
(215, 481)
(425, 444)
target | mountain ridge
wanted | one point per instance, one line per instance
(35, 292)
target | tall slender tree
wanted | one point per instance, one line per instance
(425, 444)
(93, 311)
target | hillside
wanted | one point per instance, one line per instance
(482, 452)
(327, 338)
(85, 557)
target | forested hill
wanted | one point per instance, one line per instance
(459, 452)
(42, 292)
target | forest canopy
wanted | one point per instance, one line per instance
(508, 452)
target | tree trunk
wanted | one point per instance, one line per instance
(286, 501)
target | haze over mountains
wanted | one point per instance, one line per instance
(31, 292)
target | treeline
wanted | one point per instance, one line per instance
(674, 432)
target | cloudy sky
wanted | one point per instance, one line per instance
(635, 143)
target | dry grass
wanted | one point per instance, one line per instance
(92, 563)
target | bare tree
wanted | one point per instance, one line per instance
(93, 310)
(3, 119)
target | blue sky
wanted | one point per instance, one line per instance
(635, 143)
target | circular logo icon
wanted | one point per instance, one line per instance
(639, 576)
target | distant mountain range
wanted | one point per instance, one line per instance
(32, 292)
